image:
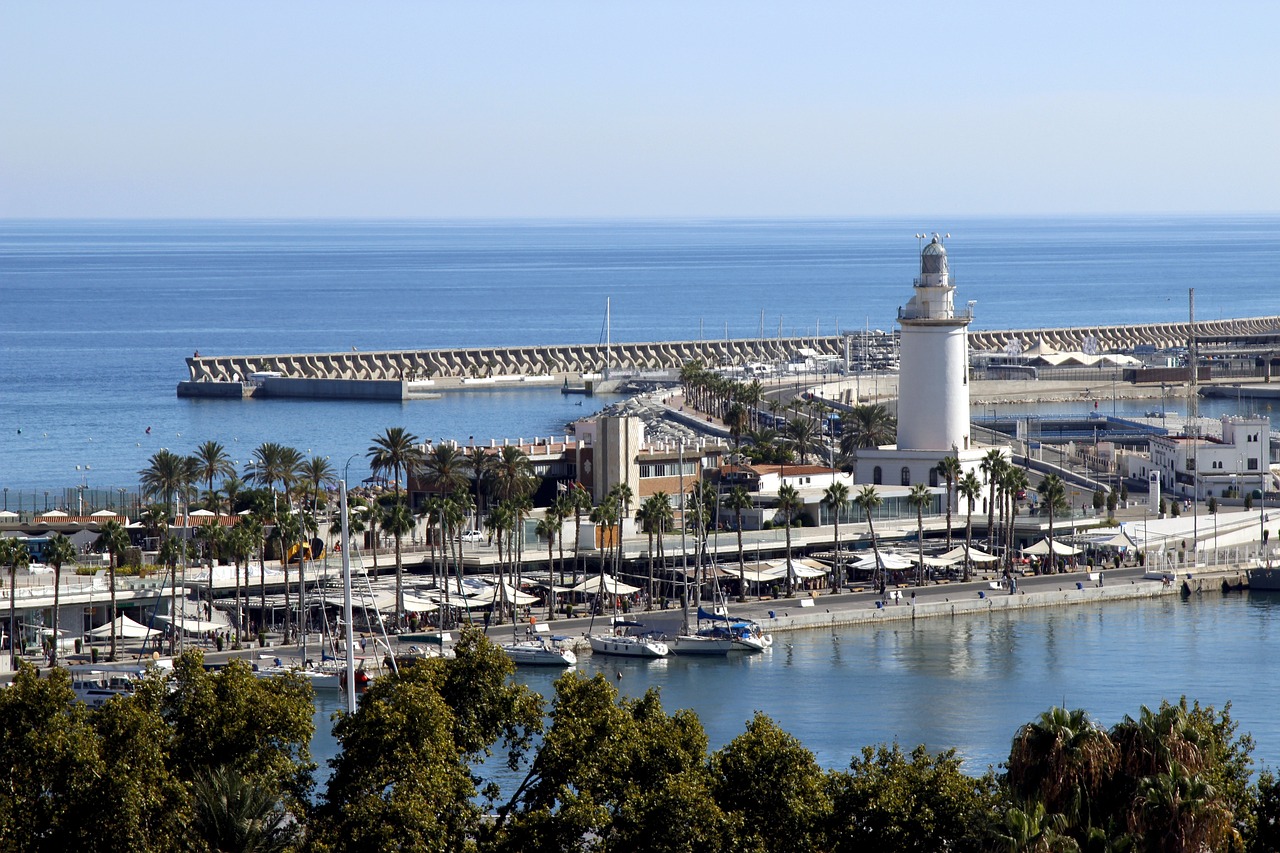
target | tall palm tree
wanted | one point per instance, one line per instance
(370, 517)
(969, 487)
(395, 452)
(737, 499)
(992, 465)
(1015, 483)
(868, 500)
(232, 487)
(549, 529)
(581, 503)
(288, 532)
(398, 521)
(624, 495)
(446, 469)
(563, 507)
(478, 467)
(918, 499)
(836, 497)
(165, 477)
(789, 503)
(14, 554)
(212, 462)
(950, 470)
(317, 473)
(651, 518)
(1053, 494)
(231, 812)
(58, 551)
(114, 538)
(240, 543)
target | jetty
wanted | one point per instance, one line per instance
(406, 374)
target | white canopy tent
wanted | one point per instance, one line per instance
(595, 584)
(888, 560)
(192, 626)
(124, 627)
(1060, 549)
(976, 555)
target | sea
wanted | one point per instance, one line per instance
(98, 316)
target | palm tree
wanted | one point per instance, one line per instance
(14, 554)
(232, 486)
(115, 539)
(317, 473)
(992, 465)
(549, 528)
(1015, 483)
(1179, 810)
(836, 497)
(737, 500)
(58, 551)
(478, 467)
(624, 495)
(398, 521)
(950, 469)
(165, 476)
(231, 812)
(865, 426)
(918, 499)
(240, 542)
(371, 519)
(446, 469)
(868, 500)
(1054, 497)
(395, 451)
(288, 531)
(212, 462)
(1063, 760)
(581, 503)
(651, 518)
(803, 434)
(789, 503)
(274, 463)
(969, 487)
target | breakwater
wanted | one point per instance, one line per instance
(437, 369)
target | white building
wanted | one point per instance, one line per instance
(1211, 466)
(933, 384)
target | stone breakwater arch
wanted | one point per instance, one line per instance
(578, 359)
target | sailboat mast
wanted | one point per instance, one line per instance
(608, 334)
(346, 600)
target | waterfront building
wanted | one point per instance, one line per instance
(1233, 460)
(933, 384)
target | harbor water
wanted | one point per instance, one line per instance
(967, 683)
(100, 315)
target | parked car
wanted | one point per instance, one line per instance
(471, 536)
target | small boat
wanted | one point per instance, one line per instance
(747, 636)
(538, 653)
(699, 644)
(627, 645)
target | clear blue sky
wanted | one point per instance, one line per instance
(607, 108)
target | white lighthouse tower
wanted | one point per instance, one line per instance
(933, 379)
(933, 384)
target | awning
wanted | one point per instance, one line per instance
(1041, 549)
(124, 627)
(192, 626)
(976, 555)
(605, 583)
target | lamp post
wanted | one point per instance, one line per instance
(6, 498)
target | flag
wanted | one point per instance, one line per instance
(561, 487)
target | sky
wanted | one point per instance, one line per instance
(636, 109)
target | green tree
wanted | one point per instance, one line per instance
(14, 554)
(739, 499)
(918, 499)
(398, 521)
(651, 517)
(789, 504)
(865, 426)
(1053, 494)
(868, 500)
(548, 528)
(890, 801)
(114, 539)
(951, 471)
(402, 780)
(993, 465)
(212, 462)
(317, 473)
(968, 487)
(395, 452)
(58, 551)
(775, 784)
(1063, 760)
(232, 813)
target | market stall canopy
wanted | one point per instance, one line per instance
(888, 560)
(123, 627)
(976, 555)
(191, 626)
(606, 583)
(1041, 549)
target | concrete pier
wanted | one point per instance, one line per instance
(411, 372)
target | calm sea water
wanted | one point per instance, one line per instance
(98, 316)
(968, 683)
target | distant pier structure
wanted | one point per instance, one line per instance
(401, 374)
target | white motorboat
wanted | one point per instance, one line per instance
(538, 653)
(625, 645)
(96, 687)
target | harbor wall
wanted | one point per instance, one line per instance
(790, 616)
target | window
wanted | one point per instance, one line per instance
(877, 477)
(906, 476)
(933, 477)
(1253, 464)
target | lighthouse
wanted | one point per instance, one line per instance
(933, 384)
(933, 378)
